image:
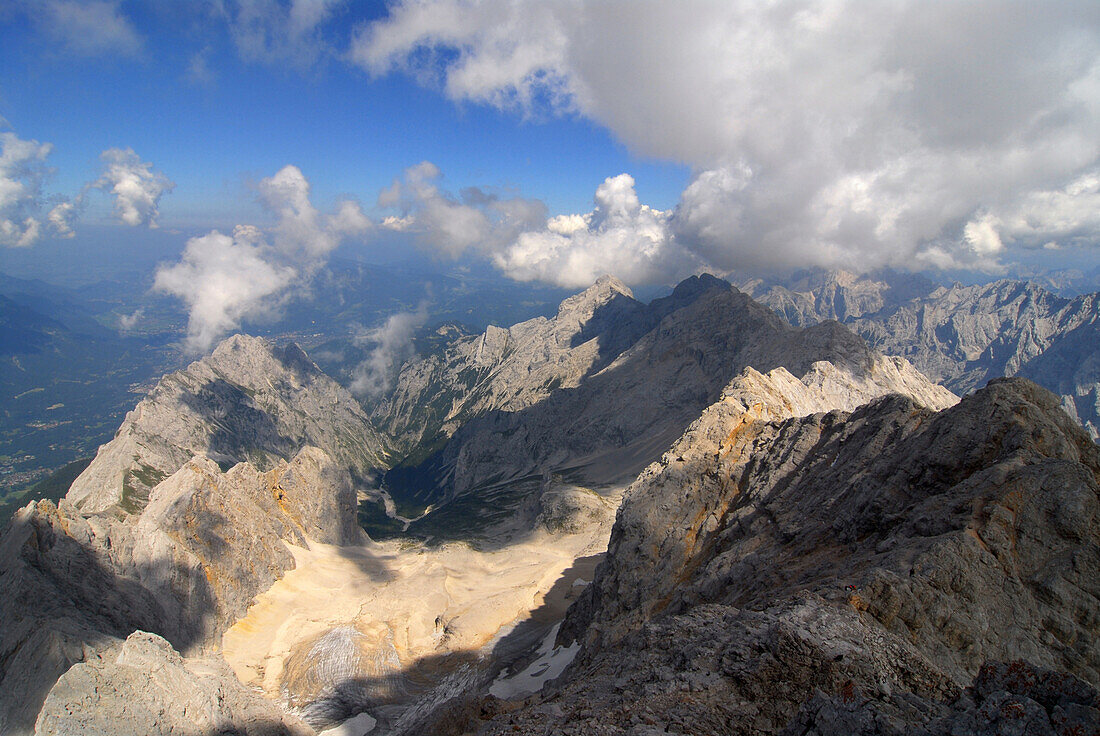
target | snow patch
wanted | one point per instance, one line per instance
(359, 725)
(550, 663)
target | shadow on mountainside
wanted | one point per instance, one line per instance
(60, 603)
(618, 421)
(241, 431)
(617, 324)
(63, 601)
(514, 650)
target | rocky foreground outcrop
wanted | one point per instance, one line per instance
(844, 573)
(249, 401)
(179, 559)
(75, 585)
(143, 686)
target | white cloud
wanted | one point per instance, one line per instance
(225, 280)
(620, 236)
(391, 346)
(510, 55)
(137, 189)
(273, 32)
(22, 171)
(1070, 215)
(222, 280)
(840, 133)
(127, 322)
(136, 186)
(61, 217)
(476, 220)
(982, 237)
(350, 219)
(88, 27)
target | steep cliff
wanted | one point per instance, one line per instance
(247, 401)
(846, 573)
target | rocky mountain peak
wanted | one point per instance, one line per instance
(248, 401)
(606, 288)
(692, 286)
(247, 357)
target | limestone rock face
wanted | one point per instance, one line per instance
(248, 401)
(615, 413)
(510, 369)
(846, 572)
(961, 336)
(186, 567)
(816, 295)
(142, 686)
(965, 335)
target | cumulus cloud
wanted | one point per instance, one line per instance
(127, 322)
(477, 221)
(620, 235)
(391, 345)
(22, 171)
(223, 280)
(507, 55)
(136, 186)
(227, 279)
(88, 27)
(61, 217)
(27, 214)
(845, 133)
(273, 31)
(1068, 215)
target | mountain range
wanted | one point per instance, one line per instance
(961, 336)
(802, 533)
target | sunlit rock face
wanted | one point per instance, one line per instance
(185, 567)
(625, 387)
(166, 532)
(247, 401)
(142, 686)
(513, 368)
(846, 573)
(961, 336)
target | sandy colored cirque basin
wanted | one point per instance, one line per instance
(391, 616)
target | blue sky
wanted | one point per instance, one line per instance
(350, 134)
(554, 140)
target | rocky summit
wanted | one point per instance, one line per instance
(248, 401)
(891, 570)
